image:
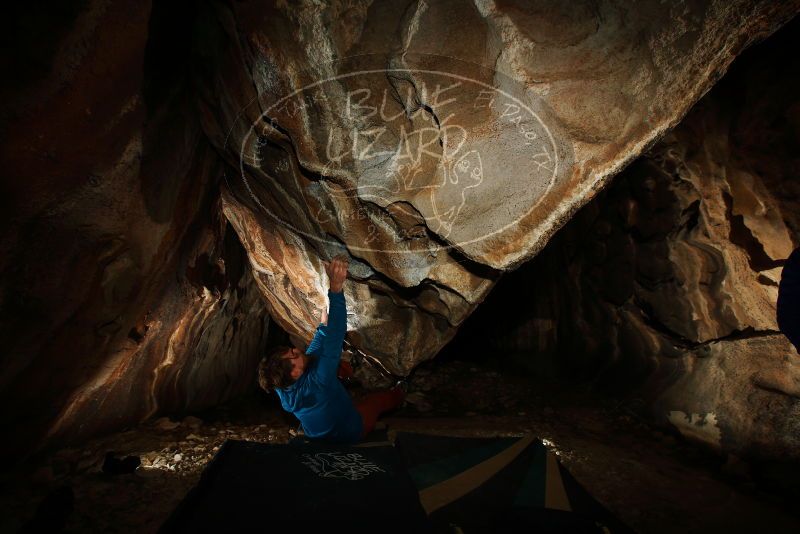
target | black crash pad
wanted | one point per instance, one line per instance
(304, 486)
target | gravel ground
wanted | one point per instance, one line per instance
(652, 479)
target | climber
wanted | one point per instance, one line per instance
(307, 382)
(789, 299)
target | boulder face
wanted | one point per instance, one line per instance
(439, 144)
(124, 291)
(664, 286)
(177, 173)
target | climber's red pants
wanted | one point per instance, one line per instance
(375, 403)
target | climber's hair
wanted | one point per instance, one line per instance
(275, 371)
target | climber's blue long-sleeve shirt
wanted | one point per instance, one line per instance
(317, 398)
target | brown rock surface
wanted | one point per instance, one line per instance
(124, 293)
(441, 143)
(738, 395)
(664, 287)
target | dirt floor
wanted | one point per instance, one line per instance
(653, 481)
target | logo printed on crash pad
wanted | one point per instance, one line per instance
(351, 466)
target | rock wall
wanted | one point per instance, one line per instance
(439, 143)
(124, 292)
(664, 286)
